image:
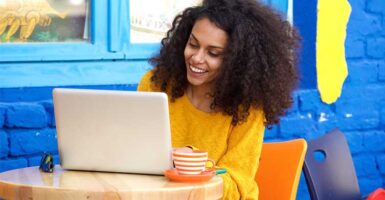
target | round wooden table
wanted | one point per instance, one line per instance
(30, 183)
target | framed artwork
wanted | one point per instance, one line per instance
(57, 30)
(42, 21)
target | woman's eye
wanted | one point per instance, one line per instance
(214, 54)
(193, 45)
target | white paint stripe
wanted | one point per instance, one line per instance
(190, 159)
(190, 168)
(190, 163)
(190, 153)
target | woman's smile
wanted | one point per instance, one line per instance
(197, 69)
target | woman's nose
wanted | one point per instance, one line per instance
(198, 56)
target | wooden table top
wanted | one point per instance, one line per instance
(30, 183)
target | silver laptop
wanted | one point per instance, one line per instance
(114, 131)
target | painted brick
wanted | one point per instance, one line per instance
(365, 166)
(375, 47)
(26, 115)
(381, 69)
(10, 164)
(383, 29)
(354, 48)
(3, 144)
(362, 72)
(361, 120)
(26, 142)
(374, 141)
(295, 125)
(271, 133)
(325, 121)
(3, 109)
(355, 141)
(310, 100)
(29, 94)
(354, 105)
(362, 23)
(25, 94)
(35, 161)
(294, 106)
(381, 163)
(376, 6)
(368, 185)
(372, 92)
(48, 106)
(351, 109)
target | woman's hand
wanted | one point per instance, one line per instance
(183, 149)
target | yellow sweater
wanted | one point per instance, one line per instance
(235, 148)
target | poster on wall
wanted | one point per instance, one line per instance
(43, 21)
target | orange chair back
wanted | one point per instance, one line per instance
(280, 169)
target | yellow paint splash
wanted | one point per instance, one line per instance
(333, 17)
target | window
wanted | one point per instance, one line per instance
(86, 29)
(283, 6)
(149, 24)
(87, 42)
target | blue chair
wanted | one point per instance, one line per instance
(329, 169)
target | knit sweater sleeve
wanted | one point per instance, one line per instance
(145, 84)
(242, 158)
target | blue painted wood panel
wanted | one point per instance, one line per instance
(71, 73)
(305, 19)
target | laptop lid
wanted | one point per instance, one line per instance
(115, 131)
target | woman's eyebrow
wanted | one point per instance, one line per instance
(210, 46)
(193, 37)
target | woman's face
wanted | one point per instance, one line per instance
(204, 52)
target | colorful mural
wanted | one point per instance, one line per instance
(41, 20)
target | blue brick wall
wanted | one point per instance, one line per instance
(363, 99)
(25, 115)
(360, 111)
(27, 125)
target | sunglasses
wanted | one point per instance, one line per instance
(46, 163)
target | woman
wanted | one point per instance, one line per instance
(228, 67)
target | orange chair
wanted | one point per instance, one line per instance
(280, 169)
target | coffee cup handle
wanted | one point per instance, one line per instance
(212, 166)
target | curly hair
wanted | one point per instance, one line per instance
(259, 67)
